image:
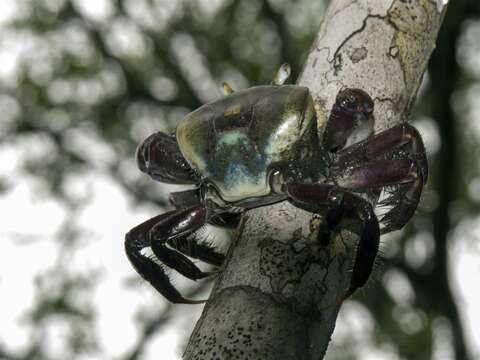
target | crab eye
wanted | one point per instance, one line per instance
(355, 100)
(349, 103)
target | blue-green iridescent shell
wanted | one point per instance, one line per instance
(234, 141)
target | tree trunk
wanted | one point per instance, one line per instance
(274, 298)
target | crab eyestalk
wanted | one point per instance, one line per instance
(282, 74)
(227, 89)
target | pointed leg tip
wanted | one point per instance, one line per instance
(212, 272)
(193, 302)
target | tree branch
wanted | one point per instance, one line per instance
(274, 298)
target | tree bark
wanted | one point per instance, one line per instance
(274, 298)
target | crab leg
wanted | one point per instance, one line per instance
(176, 230)
(383, 143)
(135, 241)
(182, 199)
(317, 197)
(198, 250)
(225, 220)
(174, 227)
(177, 224)
(405, 172)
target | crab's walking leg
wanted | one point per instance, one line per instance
(405, 172)
(411, 171)
(386, 142)
(135, 241)
(177, 225)
(187, 198)
(225, 220)
(198, 250)
(191, 247)
(174, 227)
(315, 197)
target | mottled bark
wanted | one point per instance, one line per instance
(274, 298)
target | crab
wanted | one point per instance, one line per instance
(266, 144)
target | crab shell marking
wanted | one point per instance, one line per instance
(233, 142)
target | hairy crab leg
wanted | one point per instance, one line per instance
(225, 220)
(173, 227)
(135, 241)
(316, 197)
(177, 224)
(198, 250)
(192, 245)
(384, 143)
(404, 172)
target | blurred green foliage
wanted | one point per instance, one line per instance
(91, 79)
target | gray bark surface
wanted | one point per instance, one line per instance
(273, 299)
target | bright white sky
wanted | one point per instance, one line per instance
(106, 219)
(28, 215)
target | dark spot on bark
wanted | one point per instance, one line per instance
(248, 338)
(297, 234)
(337, 64)
(358, 54)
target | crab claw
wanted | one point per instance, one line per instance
(160, 157)
(349, 120)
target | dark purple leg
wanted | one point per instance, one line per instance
(174, 227)
(186, 198)
(198, 249)
(135, 241)
(318, 197)
(183, 199)
(394, 156)
(403, 136)
(177, 224)
(404, 172)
